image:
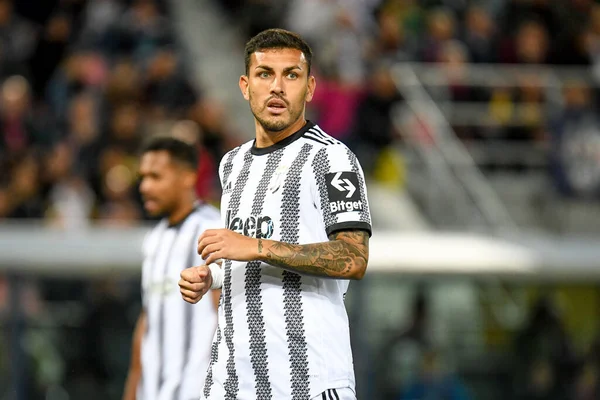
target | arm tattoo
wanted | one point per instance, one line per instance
(346, 253)
(260, 246)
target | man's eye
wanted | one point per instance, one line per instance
(263, 74)
(292, 75)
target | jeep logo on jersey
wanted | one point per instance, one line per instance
(259, 227)
(343, 192)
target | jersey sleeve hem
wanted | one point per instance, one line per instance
(340, 226)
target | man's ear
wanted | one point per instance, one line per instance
(312, 85)
(190, 178)
(244, 86)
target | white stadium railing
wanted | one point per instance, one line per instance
(26, 249)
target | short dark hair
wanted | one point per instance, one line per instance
(277, 39)
(178, 150)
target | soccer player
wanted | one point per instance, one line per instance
(297, 220)
(172, 339)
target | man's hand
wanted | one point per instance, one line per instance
(194, 283)
(215, 244)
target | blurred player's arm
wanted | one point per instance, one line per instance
(135, 365)
(344, 256)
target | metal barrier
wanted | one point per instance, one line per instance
(447, 160)
(457, 194)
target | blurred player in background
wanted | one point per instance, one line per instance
(298, 225)
(172, 338)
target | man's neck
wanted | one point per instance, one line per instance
(266, 138)
(181, 213)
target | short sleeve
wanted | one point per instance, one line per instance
(340, 189)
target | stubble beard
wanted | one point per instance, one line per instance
(279, 123)
(272, 126)
(275, 125)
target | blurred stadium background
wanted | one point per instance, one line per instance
(477, 124)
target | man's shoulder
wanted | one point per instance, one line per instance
(326, 149)
(321, 139)
(208, 213)
(230, 155)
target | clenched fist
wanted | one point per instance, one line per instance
(194, 283)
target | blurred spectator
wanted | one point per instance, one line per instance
(70, 200)
(517, 12)
(410, 15)
(82, 134)
(258, 15)
(338, 31)
(20, 128)
(5, 201)
(531, 114)
(399, 357)
(210, 117)
(25, 189)
(541, 383)
(99, 368)
(441, 27)
(334, 105)
(82, 70)
(124, 84)
(587, 383)
(100, 21)
(141, 30)
(117, 172)
(168, 94)
(434, 382)
(530, 45)
(17, 36)
(374, 128)
(545, 355)
(454, 56)
(392, 42)
(576, 144)
(480, 35)
(49, 52)
(125, 128)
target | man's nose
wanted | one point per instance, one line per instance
(144, 186)
(277, 87)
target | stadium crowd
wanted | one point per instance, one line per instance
(82, 84)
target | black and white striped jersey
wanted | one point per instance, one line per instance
(282, 335)
(177, 343)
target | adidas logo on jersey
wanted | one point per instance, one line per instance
(227, 188)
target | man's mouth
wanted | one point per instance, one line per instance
(276, 106)
(149, 203)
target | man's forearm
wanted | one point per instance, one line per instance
(343, 257)
(135, 368)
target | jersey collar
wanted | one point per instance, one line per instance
(259, 151)
(179, 223)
